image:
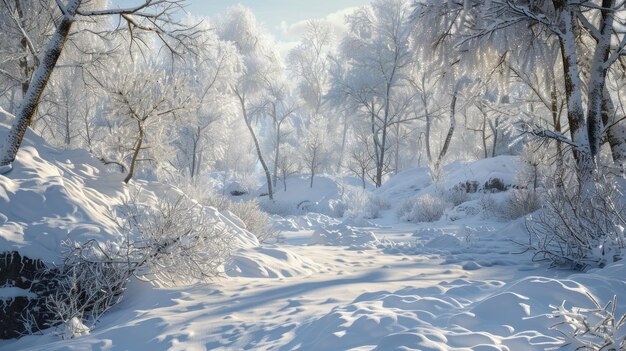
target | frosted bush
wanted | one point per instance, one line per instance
(520, 203)
(424, 208)
(580, 226)
(170, 241)
(254, 219)
(591, 329)
(456, 196)
(361, 203)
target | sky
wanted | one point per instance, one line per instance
(284, 19)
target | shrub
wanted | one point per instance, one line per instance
(580, 226)
(254, 219)
(170, 241)
(591, 329)
(489, 207)
(494, 185)
(424, 208)
(520, 203)
(456, 196)
(361, 203)
(86, 286)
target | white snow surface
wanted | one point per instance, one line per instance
(328, 285)
(53, 195)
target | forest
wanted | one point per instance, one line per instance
(407, 175)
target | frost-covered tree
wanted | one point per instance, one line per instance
(378, 54)
(309, 63)
(150, 15)
(209, 69)
(259, 67)
(569, 23)
(144, 104)
(314, 148)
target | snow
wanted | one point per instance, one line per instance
(51, 196)
(459, 283)
(9, 293)
(418, 181)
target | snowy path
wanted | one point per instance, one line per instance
(292, 313)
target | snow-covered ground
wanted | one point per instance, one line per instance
(461, 283)
(448, 291)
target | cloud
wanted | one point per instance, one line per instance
(336, 21)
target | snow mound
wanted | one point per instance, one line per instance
(485, 175)
(301, 198)
(344, 235)
(269, 262)
(52, 195)
(463, 314)
(443, 241)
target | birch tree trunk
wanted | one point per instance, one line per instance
(597, 80)
(615, 132)
(29, 103)
(573, 93)
(133, 160)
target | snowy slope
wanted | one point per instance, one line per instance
(54, 195)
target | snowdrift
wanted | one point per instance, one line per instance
(464, 314)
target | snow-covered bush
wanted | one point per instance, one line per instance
(456, 196)
(519, 203)
(424, 208)
(581, 226)
(168, 242)
(254, 219)
(489, 207)
(361, 203)
(591, 329)
(89, 283)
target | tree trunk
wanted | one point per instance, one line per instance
(68, 135)
(597, 80)
(396, 157)
(29, 104)
(484, 134)
(343, 143)
(277, 154)
(133, 160)
(494, 131)
(573, 93)
(616, 133)
(446, 143)
(427, 138)
(313, 165)
(268, 176)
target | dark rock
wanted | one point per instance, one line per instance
(495, 185)
(32, 276)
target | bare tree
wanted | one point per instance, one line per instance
(152, 15)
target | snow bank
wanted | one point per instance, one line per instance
(52, 195)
